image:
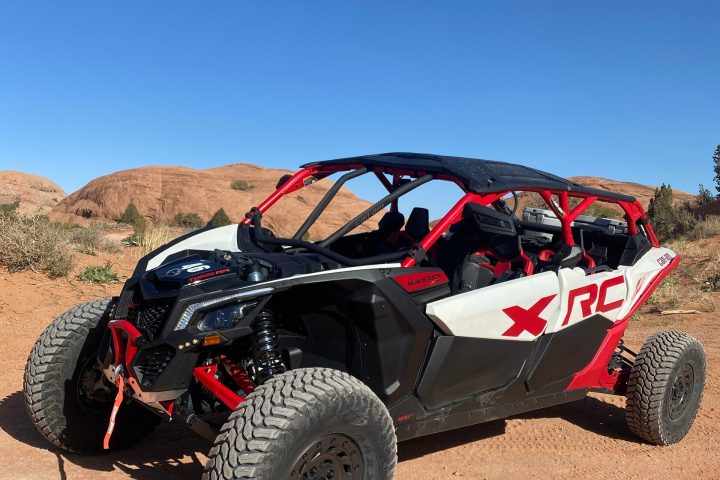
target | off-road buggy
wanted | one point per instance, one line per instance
(324, 354)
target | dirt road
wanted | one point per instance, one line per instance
(586, 439)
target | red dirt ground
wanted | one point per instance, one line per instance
(585, 439)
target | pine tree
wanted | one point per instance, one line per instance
(132, 216)
(220, 219)
(716, 165)
(661, 201)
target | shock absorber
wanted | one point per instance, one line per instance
(266, 348)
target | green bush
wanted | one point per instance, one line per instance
(34, 243)
(242, 185)
(220, 219)
(188, 220)
(8, 209)
(99, 274)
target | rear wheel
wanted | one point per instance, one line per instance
(66, 393)
(311, 423)
(665, 387)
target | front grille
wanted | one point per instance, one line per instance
(150, 317)
(151, 363)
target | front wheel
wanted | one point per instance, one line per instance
(310, 423)
(66, 393)
(665, 387)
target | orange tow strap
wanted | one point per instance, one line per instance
(113, 414)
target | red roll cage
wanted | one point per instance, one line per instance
(634, 212)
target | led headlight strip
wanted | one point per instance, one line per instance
(190, 311)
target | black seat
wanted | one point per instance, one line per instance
(390, 223)
(568, 256)
(418, 224)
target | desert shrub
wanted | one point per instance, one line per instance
(669, 221)
(220, 219)
(34, 243)
(8, 209)
(187, 220)
(131, 216)
(87, 240)
(242, 185)
(602, 210)
(704, 197)
(713, 283)
(99, 274)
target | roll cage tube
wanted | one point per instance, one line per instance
(375, 208)
(322, 205)
(634, 215)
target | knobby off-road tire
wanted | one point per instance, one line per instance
(665, 387)
(312, 423)
(62, 359)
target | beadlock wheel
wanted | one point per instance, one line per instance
(333, 457)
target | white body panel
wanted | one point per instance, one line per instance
(517, 310)
(223, 238)
(479, 313)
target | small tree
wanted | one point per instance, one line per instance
(705, 196)
(669, 221)
(131, 216)
(661, 201)
(716, 168)
(220, 219)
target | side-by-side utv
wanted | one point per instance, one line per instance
(320, 355)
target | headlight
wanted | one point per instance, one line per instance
(225, 317)
(190, 311)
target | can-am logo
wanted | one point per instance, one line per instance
(664, 260)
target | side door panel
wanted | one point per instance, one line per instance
(490, 334)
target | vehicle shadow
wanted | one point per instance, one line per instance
(173, 452)
(591, 414)
(170, 452)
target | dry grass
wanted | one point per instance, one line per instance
(706, 228)
(687, 287)
(154, 236)
(34, 243)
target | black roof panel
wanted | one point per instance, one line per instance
(480, 176)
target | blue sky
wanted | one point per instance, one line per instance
(627, 90)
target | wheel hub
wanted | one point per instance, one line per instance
(682, 390)
(333, 457)
(94, 393)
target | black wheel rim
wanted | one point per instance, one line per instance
(93, 391)
(682, 391)
(333, 457)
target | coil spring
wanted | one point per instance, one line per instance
(266, 348)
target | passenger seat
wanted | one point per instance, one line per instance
(418, 224)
